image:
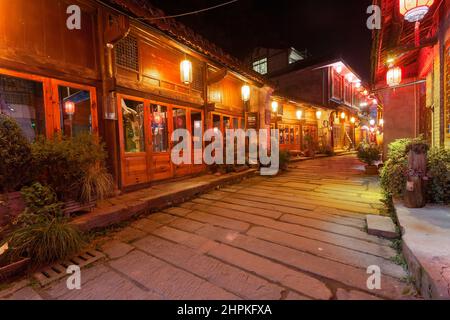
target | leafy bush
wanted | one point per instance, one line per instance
(368, 153)
(438, 187)
(15, 156)
(73, 167)
(393, 177)
(285, 157)
(41, 232)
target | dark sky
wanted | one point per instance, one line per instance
(324, 27)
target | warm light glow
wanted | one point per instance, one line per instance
(363, 104)
(375, 101)
(338, 68)
(414, 10)
(358, 84)
(343, 115)
(352, 119)
(186, 71)
(69, 108)
(381, 122)
(319, 114)
(372, 130)
(365, 92)
(299, 114)
(394, 77)
(372, 122)
(275, 106)
(245, 90)
(197, 124)
(349, 77)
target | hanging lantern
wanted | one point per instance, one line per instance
(394, 76)
(381, 122)
(365, 92)
(69, 108)
(245, 90)
(415, 10)
(372, 122)
(274, 106)
(186, 71)
(318, 115)
(343, 115)
(353, 120)
(299, 114)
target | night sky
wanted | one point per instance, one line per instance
(324, 27)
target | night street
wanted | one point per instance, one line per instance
(297, 236)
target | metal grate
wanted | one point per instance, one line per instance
(127, 53)
(58, 270)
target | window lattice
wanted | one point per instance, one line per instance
(127, 53)
(197, 78)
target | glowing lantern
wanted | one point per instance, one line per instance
(186, 71)
(363, 104)
(415, 10)
(394, 76)
(318, 115)
(381, 122)
(338, 68)
(352, 120)
(365, 92)
(299, 114)
(274, 106)
(375, 101)
(343, 115)
(245, 90)
(69, 108)
(358, 84)
(372, 122)
(349, 77)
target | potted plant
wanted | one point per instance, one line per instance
(369, 154)
(15, 164)
(309, 146)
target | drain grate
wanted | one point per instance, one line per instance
(58, 270)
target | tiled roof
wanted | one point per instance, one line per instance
(147, 13)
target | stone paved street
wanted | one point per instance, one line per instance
(300, 235)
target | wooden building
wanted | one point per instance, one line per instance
(330, 86)
(119, 77)
(411, 71)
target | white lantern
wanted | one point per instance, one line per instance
(394, 76)
(245, 90)
(299, 114)
(186, 71)
(318, 115)
(274, 106)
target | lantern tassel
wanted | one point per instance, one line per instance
(417, 34)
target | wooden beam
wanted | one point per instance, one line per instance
(218, 76)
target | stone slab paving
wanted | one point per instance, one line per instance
(297, 236)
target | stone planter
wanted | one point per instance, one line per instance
(14, 269)
(371, 170)
(11, 205)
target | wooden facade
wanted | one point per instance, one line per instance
(122, 76)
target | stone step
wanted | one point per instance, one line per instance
(381, 226)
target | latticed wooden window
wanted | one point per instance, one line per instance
(197, 77)
(127, 53)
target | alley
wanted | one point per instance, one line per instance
(299, 235)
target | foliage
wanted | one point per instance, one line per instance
(368, 153)
(439, 175)
(15, 156)
(72, 167)
(41, 232)
(285, 157)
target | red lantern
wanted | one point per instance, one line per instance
(69, 107)
(415, 10)
(394, 76)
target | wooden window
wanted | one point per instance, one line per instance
(23, 100)
(133, 126)
(337, 85)
(127, 54)
(197, 77)
(79, 120)
(160, 129)
(260, 66)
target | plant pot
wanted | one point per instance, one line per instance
(14, 269)
(11, 205)
(371, 170)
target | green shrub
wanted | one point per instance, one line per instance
(368, 153)
(70, 166)
(15, 156)
(41, 232)
(438, 186)
(393, 177)
(285, 157)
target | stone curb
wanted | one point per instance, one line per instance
(104, 217)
